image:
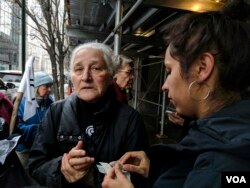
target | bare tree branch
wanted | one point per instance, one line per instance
(49, 20)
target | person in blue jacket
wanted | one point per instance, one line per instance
(27, 129)
(207, 60)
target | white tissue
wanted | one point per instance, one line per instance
(104, 168)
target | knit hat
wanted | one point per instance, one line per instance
(42, 78)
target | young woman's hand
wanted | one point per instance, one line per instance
(136, 161)
(116, 179)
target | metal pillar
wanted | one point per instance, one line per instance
(161, 135)
(136, 82)
(161, 98)
(135, 6)
(117, 37)
(23, 36)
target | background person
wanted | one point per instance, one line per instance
(88, 127)
(206, 75)
(6, 108)
(28, 128)
(43, 84)
(123, 79)
(12, 173)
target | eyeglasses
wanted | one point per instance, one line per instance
(129, 72)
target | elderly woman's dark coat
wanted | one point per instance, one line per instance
(108, 129)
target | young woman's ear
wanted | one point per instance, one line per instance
(205, 66)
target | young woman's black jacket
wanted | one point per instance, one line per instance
(213, 146)
(108, 129)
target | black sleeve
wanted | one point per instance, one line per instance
(137, 135)
(137, 141)
(161, 158)
(45, 159)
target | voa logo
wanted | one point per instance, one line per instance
(236, 179)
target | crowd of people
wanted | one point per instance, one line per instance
(207, 63)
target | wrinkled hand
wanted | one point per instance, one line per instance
(116, 179)
(136, 161)
(76, 164)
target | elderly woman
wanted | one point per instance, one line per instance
(123, 78)
(208, 67)
(88, 127)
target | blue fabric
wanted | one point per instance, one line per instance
(29, 127)
(42, 78)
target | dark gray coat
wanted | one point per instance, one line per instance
(118, 128)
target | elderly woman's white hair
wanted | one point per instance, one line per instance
(122, 59)
(107, 52)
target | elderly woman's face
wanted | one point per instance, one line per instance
(125, 76)
(44, 90)
(90, 76)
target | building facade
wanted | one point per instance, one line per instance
(11, 35)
